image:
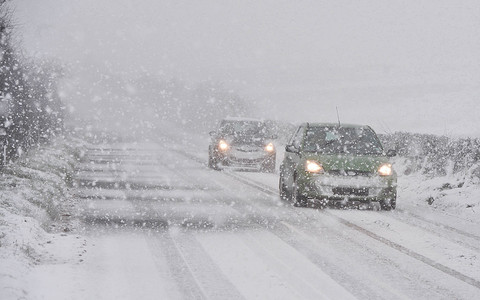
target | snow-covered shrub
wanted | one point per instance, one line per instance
(436, 155)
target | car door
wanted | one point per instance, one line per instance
(292, 157)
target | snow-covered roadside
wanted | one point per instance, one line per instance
(35, 215)
(455, 194)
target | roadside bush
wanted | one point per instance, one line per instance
(436, 155)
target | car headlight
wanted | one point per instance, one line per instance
(313, 167)
(269, 147)
(385, 170)
(223, 145)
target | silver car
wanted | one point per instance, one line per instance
(242, 143)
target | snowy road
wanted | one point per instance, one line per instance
(161, 225)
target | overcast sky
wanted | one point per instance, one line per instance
(398, 65)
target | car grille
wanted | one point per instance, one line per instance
(350, 173)
(344, 191)
(246, 161)
(247, 148)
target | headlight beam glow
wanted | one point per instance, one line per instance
(223, 145)
(269, 147)
(385, 170)
(313, 167)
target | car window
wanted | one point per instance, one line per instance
(335, 140)
(330, 136)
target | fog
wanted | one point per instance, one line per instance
(119, 183)
(396, 65)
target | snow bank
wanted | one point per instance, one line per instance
(35, 213)
(455, 193)
(438, 172)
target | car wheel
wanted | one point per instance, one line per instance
(323, 204)
(297, 198)
(393, 202)
(388, 204)
(212, 162)
(282, 189)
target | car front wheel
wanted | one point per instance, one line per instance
(297, 198)
(388, 204)
(283, 190)
(212, 162)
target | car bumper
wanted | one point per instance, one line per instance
(349, 188)
(253, 161)
(246, 159)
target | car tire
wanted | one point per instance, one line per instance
(297, 198)
(389, 204)
(283, 191)
(212, 163)
(323, 204)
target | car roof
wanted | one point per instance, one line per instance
(336, 124)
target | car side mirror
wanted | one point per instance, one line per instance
(391, 153)
(212, 133)
(291, 148)
(274, 136)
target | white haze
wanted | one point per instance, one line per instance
(397, 65)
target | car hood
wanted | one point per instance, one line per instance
(345, 162)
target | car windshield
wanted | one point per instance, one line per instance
(336, 140)
(244, 128)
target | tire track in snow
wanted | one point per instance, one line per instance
(304, 276)
(450, 228)
(269, 190)
(411, 253)
(196, 275)
(381, 289)
(396, 246)
(375, 275)
(439, 230)
(187, 283)
(302, 285)
(209, 277)
(351, 284)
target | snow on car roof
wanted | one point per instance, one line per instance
(335, 124)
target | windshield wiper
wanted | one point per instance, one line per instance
(330, 142)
